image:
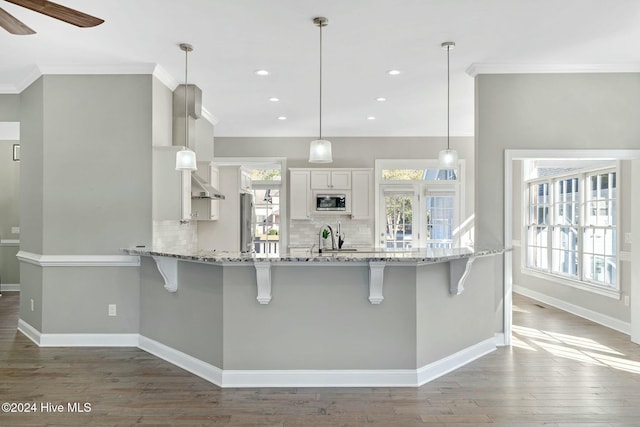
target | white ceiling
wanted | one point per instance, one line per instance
(364, 39)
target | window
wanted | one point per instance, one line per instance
(267, 217)
(571, 227)
(441, 218)
(419, 204)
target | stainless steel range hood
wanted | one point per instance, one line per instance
(200, 189)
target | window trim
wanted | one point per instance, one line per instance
(548, 274)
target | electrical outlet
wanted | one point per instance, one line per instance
(627, 238)
(112, 310)
(15, 230)
(626, 300)
(32, 306)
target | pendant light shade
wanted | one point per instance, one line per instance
(448, 159)
(186, 158)
(320, 149)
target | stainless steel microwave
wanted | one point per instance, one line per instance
(331, 202)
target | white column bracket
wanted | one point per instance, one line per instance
(376, 280)
(263, 281)
(168, 268)
(459, 270)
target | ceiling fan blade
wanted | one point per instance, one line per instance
(60, 12)
(13, 25)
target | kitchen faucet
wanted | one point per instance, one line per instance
(320, 236)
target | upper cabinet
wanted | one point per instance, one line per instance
(361, 194)
(355, 184)
(300, 194)
(245, 180)
(331, 179)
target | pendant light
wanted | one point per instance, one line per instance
(448, 158)
(186, 158)
(320, 149)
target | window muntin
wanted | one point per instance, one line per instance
(440, 216)
(571, 230)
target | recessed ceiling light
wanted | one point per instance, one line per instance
(282, 118)
(261, 73)
(274, 99)
(371, 118)
(393, 72)
(381, 99)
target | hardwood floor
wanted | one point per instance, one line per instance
(562, 371)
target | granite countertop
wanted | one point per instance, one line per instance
(360, 256)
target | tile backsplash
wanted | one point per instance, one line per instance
(356, 232)
(172, 236)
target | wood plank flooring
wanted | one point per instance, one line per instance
(562, 371)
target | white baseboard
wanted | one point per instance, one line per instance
(10, 287)
(29, 331)
(77, 340)
(500, 339)
(594, 316)
(189, 363)
(457, 360)
(267, 378)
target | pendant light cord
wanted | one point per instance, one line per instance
(186, 93)
(320, 124)
(448, 95)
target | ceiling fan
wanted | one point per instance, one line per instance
(49, 8)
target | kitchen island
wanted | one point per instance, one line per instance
(366, 318)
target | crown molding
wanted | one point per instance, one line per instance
(206, 114)
(156, 70)
(487, 68)
(165, 78)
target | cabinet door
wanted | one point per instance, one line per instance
(300, 194)
(245, 180)
(328, 179)
(341, 180)
(320, 179)
(361, 194)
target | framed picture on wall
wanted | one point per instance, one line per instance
(16, 152)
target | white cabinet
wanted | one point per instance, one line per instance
(245, 180)
(361, 194)
(171, 189)
(300, 194)
(328, 179)
(207, 209)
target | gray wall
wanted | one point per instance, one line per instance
(32, 167)
(9, 108)
(97, 162)
(319, 316)
(450, 323)
(189, 320)
(547, 111)
(9, 196)
(86, 190)
(9, 213)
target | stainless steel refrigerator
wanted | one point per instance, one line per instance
(247, 214)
